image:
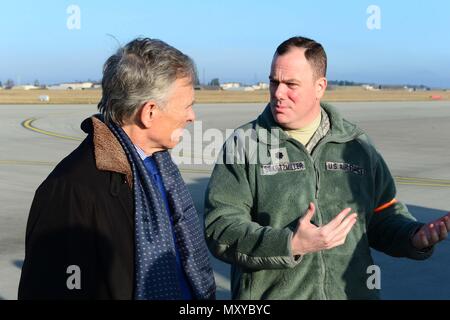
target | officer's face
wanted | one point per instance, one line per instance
(294, 90)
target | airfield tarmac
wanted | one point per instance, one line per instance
(413, 137)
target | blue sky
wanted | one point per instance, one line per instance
(231, 40)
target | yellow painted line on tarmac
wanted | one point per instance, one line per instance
(423, 179)
(425, 182)
(27, 163)
(52, 164)
(28, 124)
(203, 171)
(420, 181)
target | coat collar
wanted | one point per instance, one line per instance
(108, 152)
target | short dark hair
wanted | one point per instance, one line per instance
(314, 53)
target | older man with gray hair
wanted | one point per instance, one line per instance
(114, 220)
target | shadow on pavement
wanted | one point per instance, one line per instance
(401, 278)
(408, 279)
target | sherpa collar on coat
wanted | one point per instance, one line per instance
(109, 154)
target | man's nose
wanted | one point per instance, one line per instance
(191, 116)
(280, 91)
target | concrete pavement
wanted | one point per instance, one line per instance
(412, 136)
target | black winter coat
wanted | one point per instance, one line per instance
(82, 215)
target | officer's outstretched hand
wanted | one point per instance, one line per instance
(310, 238)
(432, 233)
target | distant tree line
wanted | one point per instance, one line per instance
(214, 82)
(379, 86)
(344, 83)
(8, 84)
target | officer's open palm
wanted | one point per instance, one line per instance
(310, 238)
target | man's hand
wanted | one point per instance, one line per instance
(310, 238)
(432, 233)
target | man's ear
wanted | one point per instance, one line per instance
(147, 114)
(321, 86)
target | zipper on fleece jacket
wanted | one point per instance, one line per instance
(314, 157)
(318, 215)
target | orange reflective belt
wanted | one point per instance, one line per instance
(386, 205)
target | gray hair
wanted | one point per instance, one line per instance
(143, 70)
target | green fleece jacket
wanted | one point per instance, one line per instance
(263, 183)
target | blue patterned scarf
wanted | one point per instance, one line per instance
(155, 256)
